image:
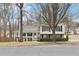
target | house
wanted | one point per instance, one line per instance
(31, 31)
(34, 31)
(45, 32)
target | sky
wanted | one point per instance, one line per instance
(74, 12)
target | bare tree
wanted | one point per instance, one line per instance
(6, 16)
(68, 24)
(53, 14)
(9, 15)
(1, 20)
(5, 9)
(20, 6)
(9, 20)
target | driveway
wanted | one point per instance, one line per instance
(40, 51)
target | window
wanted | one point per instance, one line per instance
(45, 28)
(34, 33)
(24, 34)
(59, 28)
(29, 34)
(45, 36)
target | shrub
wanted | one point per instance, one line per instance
(52, 39)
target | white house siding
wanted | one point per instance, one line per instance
(49, 33)
(57, 32)
(31, 29)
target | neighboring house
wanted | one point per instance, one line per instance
(73, 28)
(34, 32)
(77, 30)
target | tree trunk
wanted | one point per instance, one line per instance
(13, 30)
(10, 31)
(54, 35)
(5, 27)
(21, 27)
(0, 29)
(0, 32)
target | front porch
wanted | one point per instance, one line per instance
(27, 37)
